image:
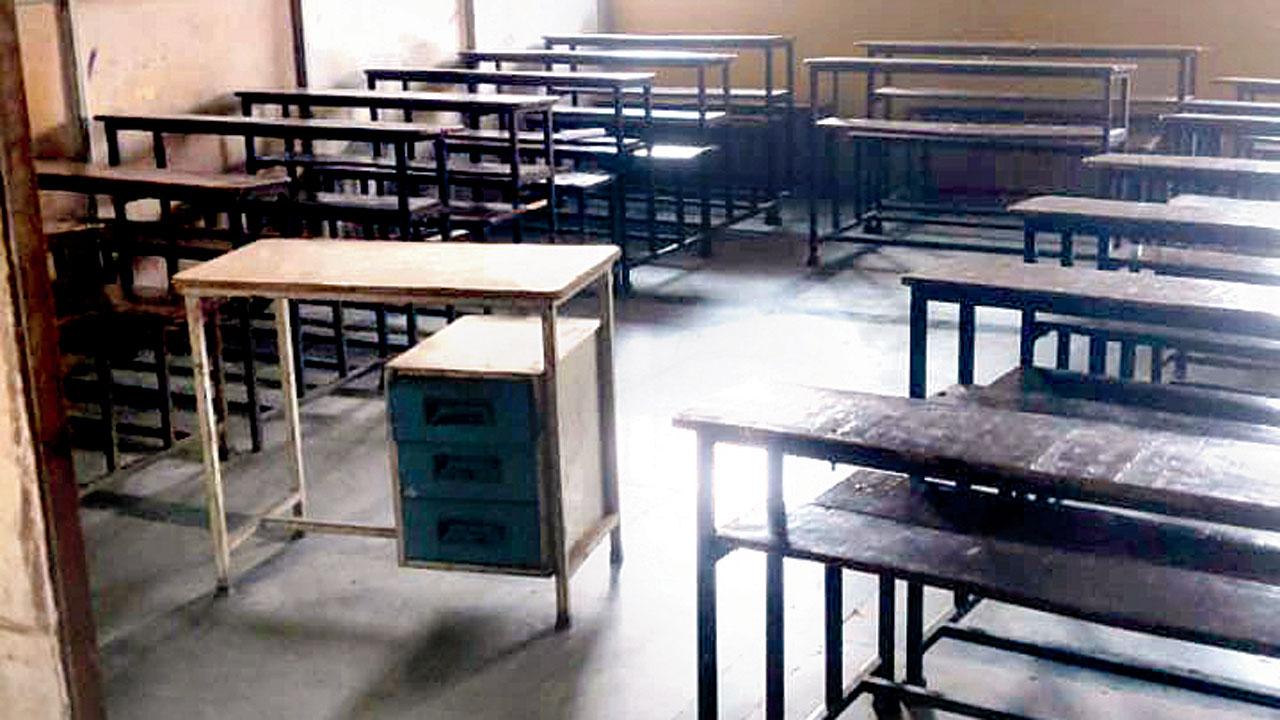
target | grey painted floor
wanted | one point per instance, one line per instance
(329, 627)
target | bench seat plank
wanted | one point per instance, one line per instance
(633, 115)
(1225, 481)
(1231, 107)
(515, 78)
(964, 95)
(1171, 408)
(1232, 225)
(1189, 165)
(69, 176)
(1207, 585)
(1009, 132)
(971, 67)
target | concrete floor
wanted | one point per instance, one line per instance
(329, 627)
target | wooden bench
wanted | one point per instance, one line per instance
(1107, 129)
(1249, 88)
(400, 136)
(1216, 585)
(1198, 133)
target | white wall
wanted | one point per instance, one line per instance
(521, 23)
(344, 37)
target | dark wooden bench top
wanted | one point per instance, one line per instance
(676, 41)
(1231, 224)
(1026, 133)
(298, 128)
(1255, 83)
(1193, 303)
(967, 95)
(404, 100)
(929, 66)
(659, 115)
(1190, 164)
(530, 78)
(1231, 107)
(602, 58)
(1174, 408)
(1206, 585)
(1196, 262)
(1260, 208)
(69, 176)
(1256, 124)
(1222, 481)
(1029, 49)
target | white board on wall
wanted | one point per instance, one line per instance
(344, 38)
(522, 23)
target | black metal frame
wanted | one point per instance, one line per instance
(872, 154)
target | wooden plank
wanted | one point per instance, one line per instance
(490, 346)
(1260, 208)
(619, 58)
(401, 100)
(1231, 107)
(987, 96)
(969, 67)
(1219, 305)
(1189, 164)
(1255, 83)
(301, 128)
(1236, 224)
(674, 41)
(1224, 481)
(325, 527)
(1255, 124)
(1012, 131)
(384, 270)
(1025, 49)
(1210, 586)
(69, 176)
(533, 78)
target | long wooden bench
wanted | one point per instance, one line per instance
(1249, 88)
(1154, 177)
(1153, 573)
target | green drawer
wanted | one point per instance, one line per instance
(469, 471)
(449, 410)
(472, 533)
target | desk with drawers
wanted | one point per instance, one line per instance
(534, 280)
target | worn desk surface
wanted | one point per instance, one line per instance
(672, 41)
(1231, 107)
(966, 130)
(1251, 220)
(299, 128)
(489, 347)
(534, 78)
(68, 176)
(373, 270)
(1226, 481)
(438, 101)
(625, 58)
(1238, 123)
(1189, 163)
(969, 67)
(1030, 49)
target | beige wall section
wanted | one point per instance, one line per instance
(42, 74)
(1240, 33)
(178, 56)
(32, 684)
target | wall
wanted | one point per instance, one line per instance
(1240, 33)
(522, 23)
(31, 679)
(344, 37)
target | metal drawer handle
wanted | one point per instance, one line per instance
(468, 469)
(470, 532)
(458, 412)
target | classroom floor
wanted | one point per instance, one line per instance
(329, 627)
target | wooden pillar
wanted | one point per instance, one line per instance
(41, 546)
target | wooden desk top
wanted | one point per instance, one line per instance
(1260, 83)
(534, 78)
(1039, 285)
(1031, 49)
(80, 177)
(1231, 107)
(488, 345)
(406, 100)
(1243, 123)
(672, 41)
(1012, 131)
(301, 128)
(1195, 163)
(1215, 479)
(624, 58)
(969, 67)
(1252, 218)
(399, 271)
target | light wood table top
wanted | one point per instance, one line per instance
(406, 272)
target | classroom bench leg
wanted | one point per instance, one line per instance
(289, 380)
(774, 643)
(214, 498)
(608, 420)
(708, 679)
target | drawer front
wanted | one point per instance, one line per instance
(474, 533)
(449, 410)
(468, 471)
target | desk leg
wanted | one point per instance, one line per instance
(608, 418)
(553, 506)
(289, 391)
(919, 344)
(214, 497)
(774, 607)
(708, 675)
